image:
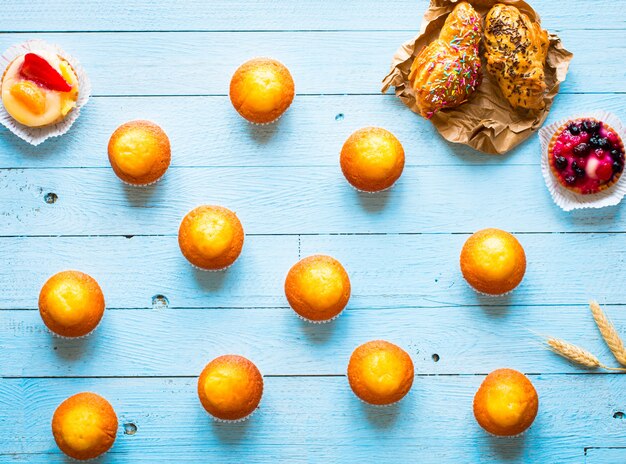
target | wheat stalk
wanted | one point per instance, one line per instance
(578, 355)
(608, 332)
(574, 353)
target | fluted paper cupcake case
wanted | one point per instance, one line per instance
(143, 185)
(211, 270)
(325, 321)
(566, 199)
(37, 135)
(232, 421)
(88, 334)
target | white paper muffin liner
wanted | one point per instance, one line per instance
(232, 421)
(211, 270)
(566, 199)
(36, 135)
(88, 334)
(325, 321)
(143, 185)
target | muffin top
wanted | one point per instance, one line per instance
(230, 387)
(372, 159)
(84, 426)
(261, 90)
(39, 89)
(211, 237)
(380, 372)
(493, 261)
(71, 303)
(317, 288)
(506, 403)
(139, 152)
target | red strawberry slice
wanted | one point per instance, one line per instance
(37, 69)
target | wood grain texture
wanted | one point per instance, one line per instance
(310, 134)
(279, 15)
(171, 62)
(170, 420)
(179, 342)
(292, 200)
(199, 63)
(425, 274)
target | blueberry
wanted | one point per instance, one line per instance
(591, 126)
(594, 141)
(570, 179)
(616, 155)
(580, 172)
(560, 162)
(617, 167)
(574, 129)
(603, 143)
(581, 149)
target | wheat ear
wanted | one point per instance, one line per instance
(578, 355)
(608, 332)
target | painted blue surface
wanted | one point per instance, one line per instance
(172, 64)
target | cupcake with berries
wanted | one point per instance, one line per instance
(584, 157)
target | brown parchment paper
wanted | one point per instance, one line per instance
(486, 122)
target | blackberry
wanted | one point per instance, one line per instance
(617, 167)
(580, 172)
(603, 143)
(574, 129)
(560, 162)
(616, 155)
(591, 126)
(581, 149)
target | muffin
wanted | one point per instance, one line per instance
(380, 373)
(317, 288)
(493, 261)
(39, 89)
(84, 426)
(71, 304)
(230, 388)
(372, 159)
(139, 152)
(506, 403)
(586, 155)
(211, 237)
(261, 90)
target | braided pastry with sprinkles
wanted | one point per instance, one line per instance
(447, 71)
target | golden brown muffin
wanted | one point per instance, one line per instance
(380, 372)
(372, 159)
(230, 388)
(515, 51)
(506, 403)
(211, 237)
(71, 304)
(39, 89)
(139, 152)
(84, 426)
(493, 261)
(317, 288)
(447, 71)
(261, 90)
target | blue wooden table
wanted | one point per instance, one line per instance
(165, 321)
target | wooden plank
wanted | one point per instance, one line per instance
(310, 134)
(200, 63)
(392, 271)
(605, 455)
(291, 200)
(434, 422)
(279, 15)
(177, 342)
